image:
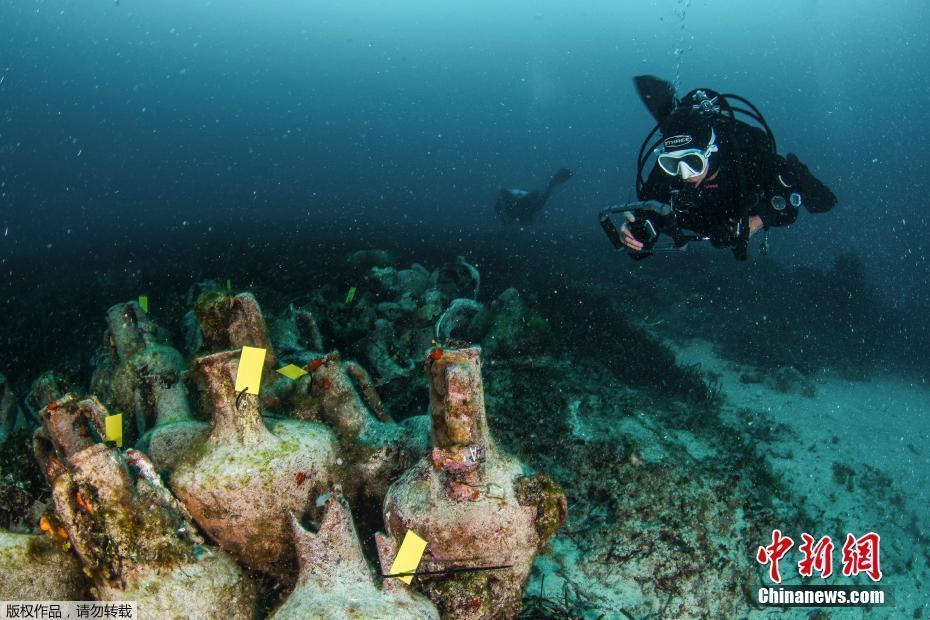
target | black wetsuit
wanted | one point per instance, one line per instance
(516, 205)
(774, 188)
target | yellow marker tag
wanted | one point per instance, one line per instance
(249, 376)
(408, 556)
(144, 303)
(113, 429)
(292, 372)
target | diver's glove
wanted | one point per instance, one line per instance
(642, 229)
(647, 219)
(659, 213)
(817, 197)
(643, 220)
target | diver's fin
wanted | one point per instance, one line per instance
(561, 176)
(657, 94)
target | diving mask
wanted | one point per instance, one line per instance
(687, 163)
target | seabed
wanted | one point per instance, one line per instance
(661, 454)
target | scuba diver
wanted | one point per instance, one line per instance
(716, 178)
(518, 205)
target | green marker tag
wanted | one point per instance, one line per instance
(350, 295)
(144, 303)
(228, 284)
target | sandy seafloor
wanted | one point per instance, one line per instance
(855, 455)
(879, 428)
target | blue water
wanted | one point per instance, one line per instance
(184, 139)
(131, 116)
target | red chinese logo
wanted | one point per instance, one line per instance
(817, 557)
(773, 553)
(860, 555)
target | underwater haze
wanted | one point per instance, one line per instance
(299, 150)
(130, 118)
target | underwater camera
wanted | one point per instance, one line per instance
(651, 218)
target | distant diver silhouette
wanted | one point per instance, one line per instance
(519, 205)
